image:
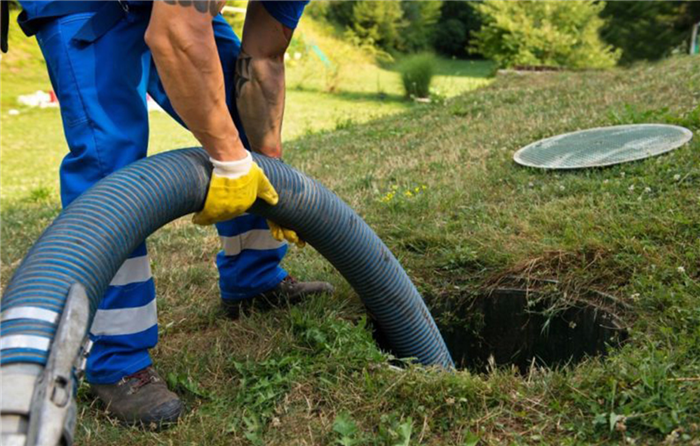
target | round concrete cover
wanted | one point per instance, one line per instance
(603, 146)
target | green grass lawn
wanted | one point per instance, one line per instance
(312, 374)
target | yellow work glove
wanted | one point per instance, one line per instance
(281, 233)
(233, 188)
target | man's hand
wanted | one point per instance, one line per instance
(280, 233)
(233, 188)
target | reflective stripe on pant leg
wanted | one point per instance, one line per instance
(249, 263)
(125, 324)
(102, 90)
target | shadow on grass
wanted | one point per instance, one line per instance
(478, 69)
(356, 95)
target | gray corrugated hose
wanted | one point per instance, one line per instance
(88, 242)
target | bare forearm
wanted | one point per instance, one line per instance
(260, 79)
(260, 90)
(188, 64)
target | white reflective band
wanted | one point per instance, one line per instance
(125, 321)
(24, 341)
(30, 313)
(133, 270)
(13, 439)
(256, 239)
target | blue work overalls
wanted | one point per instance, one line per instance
(101, 75)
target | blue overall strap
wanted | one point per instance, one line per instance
(4, 24)
(103, 20)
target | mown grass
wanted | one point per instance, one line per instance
(312, 374)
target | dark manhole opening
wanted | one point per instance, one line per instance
(521, 328)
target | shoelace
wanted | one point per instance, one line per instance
(143, 377)
(290, 279)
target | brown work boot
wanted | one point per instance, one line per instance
(141, 397)
(289, 290)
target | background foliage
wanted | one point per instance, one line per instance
(453, 34)
(640, 30)
(377, 23)
(404, 26)
(551, 34)
(649, 30)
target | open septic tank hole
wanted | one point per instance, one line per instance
(515, 327)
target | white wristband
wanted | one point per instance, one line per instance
(232, 169)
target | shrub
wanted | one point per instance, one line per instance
(416, 74)
(649, 30)
(542, 33)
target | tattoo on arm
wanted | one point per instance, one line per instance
(243, 73)
(204, 6)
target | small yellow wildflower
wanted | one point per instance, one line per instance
(408, 193)
(388, 197)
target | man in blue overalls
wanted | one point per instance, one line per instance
(103, 57)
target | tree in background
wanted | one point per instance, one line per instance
(377, 23)
(453, 33)
(649, 30)
(406, 26)
(339, 13)
(536, 33)
(420, 18)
